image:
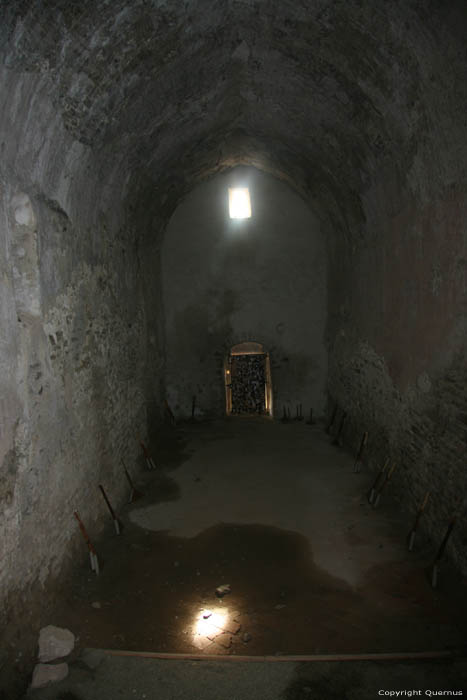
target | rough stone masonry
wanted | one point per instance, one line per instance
(111, 113)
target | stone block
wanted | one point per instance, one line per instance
(54, 643)
(44, 674)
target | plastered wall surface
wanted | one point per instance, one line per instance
(226, 281)
(398, 330)
(72, 358)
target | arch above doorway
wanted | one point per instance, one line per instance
(247, 377)
(247, 348)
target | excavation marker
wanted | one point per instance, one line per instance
(434, 573)
(92, 552)
(336, 440)
(95, 563)
(311, 421)
(358, 462)
(333, 418)
(134, 494)
(385, 483)
(371, 493)
(412, 533)
(149, 460)
(284, 418)
(111, 510)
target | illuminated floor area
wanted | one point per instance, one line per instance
(277, 513)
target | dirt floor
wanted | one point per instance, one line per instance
(333, 575)
(98, 676)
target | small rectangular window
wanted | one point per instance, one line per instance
(239, 203)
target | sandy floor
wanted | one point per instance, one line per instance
(97, 676)
(277, 513)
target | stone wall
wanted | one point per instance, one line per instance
(110, 114)
(398, 297)
(227, 281)
(73, 349)
(398, 356)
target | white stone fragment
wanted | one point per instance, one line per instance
(55, 642)
(44, 674)
(22, 209)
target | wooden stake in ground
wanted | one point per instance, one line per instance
(111, 510)
(134, 494)
(300, 414)
(311, 421)
(412, 533)
(284, 418)
(149, 460)
(358, 462)
(377, 481)
(439, 556)
(331, 422)
(337, 439)
(386, 481)
(92, 552)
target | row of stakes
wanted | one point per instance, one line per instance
(287, 417)
(134, 495)
(381, 481)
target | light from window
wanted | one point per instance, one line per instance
(239, 203)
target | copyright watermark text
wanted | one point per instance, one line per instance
(419, 693)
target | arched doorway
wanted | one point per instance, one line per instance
(247, 376)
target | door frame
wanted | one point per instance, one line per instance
(248, 348)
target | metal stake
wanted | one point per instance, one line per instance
(413, 531)
(434, 575)
(92, 551)
(379, 476)
(336, 440)
(358, 462)
(381, 488)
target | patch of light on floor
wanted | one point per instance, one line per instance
(209, 623)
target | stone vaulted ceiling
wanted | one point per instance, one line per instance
(326, 94)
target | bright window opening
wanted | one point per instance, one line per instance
(239, 203)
